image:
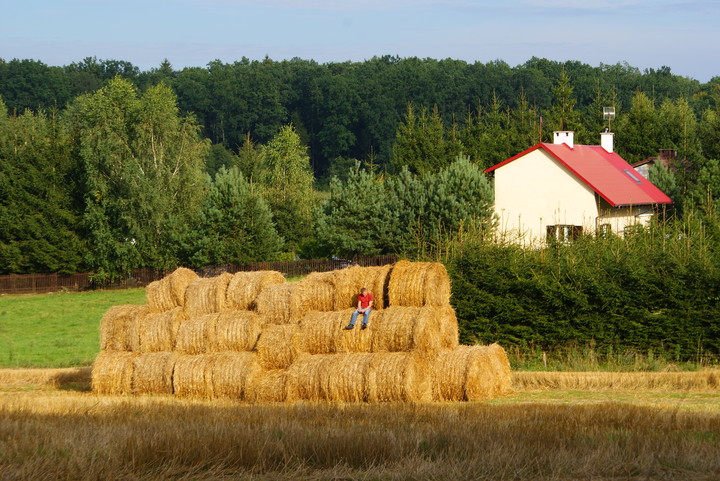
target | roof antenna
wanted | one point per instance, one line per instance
(608, 114)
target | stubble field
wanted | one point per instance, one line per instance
(555, 426)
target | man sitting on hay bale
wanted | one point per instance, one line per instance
(364, 307)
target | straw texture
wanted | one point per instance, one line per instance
(169, 292)
(118, 328)
(153, 373)
(207, 296)
(112, 372)
(419, 284)
(158, 332)
(244, 288)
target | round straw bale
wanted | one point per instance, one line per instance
(169, 292)
(413, 329)
(268, 386)
(350, 280)
(118, 328)
(273, 303)
(316, 292)
(195, 336)
(398, 376)
(112, 372)
(501, 368)
(277, 346)
(153, 373)
(419, 284)
(207, 295)
(236, 331)
(449, 374)
(330, 377)
(158, 332)
(323, 333)
(232, 373)
(471, 373)
(244, 287)
(192, 376)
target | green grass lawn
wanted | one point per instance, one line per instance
(56, 330)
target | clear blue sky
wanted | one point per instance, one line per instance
(682, 34)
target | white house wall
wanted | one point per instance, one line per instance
(535, 191)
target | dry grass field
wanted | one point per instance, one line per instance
(555, 426)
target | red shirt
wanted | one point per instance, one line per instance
(365, 300)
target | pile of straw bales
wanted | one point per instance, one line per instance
(253, 336)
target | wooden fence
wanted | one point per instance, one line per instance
(38, 283)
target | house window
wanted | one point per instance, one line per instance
(563, 233)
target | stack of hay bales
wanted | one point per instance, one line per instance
(255, 337)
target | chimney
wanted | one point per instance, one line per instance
(563, 137)
(606, 141)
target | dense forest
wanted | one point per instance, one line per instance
(107, 168)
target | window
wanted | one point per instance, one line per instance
(563, 233)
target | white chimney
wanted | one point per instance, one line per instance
(606, 141)
(564, 137)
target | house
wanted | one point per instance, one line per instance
(666, 157)
(557, 191)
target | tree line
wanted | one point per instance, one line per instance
(107, 168)
(350, 110)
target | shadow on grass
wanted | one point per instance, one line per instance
(77, 379)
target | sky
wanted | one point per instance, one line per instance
(681, 34)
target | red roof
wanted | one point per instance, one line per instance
(606, 173)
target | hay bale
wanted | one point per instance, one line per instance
(112, 372)
(315, 292)
(236, 331)
(277, 347)
(399, 376)
(350, 280)
(118, 328)
(323, 333)
(273, 303)
(501, 369)
(196, 336)
(359, 377)
(153, 373)
(268, 386)
(207, 295)
(419, 284)
(232, 374)
(169, 292)
(426, 329)
(244, 287)
(158, 332)
(471, 373)
(192, 376)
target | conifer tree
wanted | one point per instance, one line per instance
(236, 223)
(288, 183)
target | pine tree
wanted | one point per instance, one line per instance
(288, 183)
(236, 223)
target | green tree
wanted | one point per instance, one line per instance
(353, 221)
(422, 143)
(143, 165)
(562, 115)
(288, 183)
(236, 223)
(38, 219)
(638, 132)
